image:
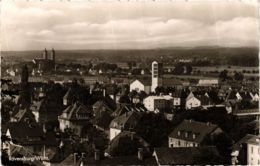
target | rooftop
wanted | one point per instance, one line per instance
(253, 139)
(163, 97)
(193, 131)
(129, 118)
(186, 155)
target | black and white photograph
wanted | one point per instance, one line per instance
(129, 82)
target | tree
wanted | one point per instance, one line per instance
(24, 75)
(238, 76)
(188, 68)
(182, 68)
(154, 128)
(223, 75)
(124, 99)
(179, 69)
(159, 89)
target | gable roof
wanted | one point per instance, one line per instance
(187, 128)
(145, 82)
(248, 139)
(126, 118)
(70, 113)
(103, 120)
(126, 138)
(22, 113)
(184, 155)
(124, 108)
(253, 139)
(23, 130)
(205, 100)
(100, 104)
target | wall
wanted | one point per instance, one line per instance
(253, 154)
(192, 103)
(113, 133)
(173, 142)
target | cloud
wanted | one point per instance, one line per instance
(124, 25)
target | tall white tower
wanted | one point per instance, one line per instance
(156, 75)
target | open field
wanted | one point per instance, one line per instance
(216, 55)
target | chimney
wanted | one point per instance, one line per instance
(75, 157)
(90, 90)
(104, 92)
(97, 155)
(44, 128)
(208, 123)
(132, 136)
(190, 120)
(83, 155)
(140, 154)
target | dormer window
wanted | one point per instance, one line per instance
(186, 134)
(179, 133)
(193, 136)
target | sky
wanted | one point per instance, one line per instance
(127, 25)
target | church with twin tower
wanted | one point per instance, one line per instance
(45, 63)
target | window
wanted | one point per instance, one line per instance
(179, 133)
(179, 143)
(193, 136)
(252, 149)
(186, 134)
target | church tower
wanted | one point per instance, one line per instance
(45, 54)
(53, 55)
(157, 70)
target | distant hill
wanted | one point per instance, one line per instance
(222, 53)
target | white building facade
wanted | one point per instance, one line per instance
(113, 132)
(152, 103)
(192, 102)
(253, 151)
(138, 86)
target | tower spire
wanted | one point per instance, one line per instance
(45, 54)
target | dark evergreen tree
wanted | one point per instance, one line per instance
(24, 75)
(25, 93)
